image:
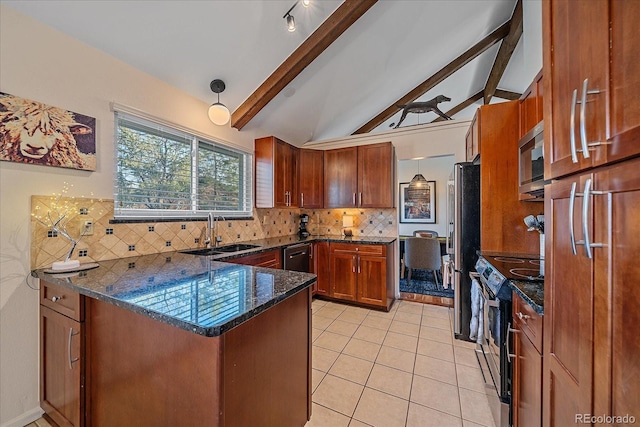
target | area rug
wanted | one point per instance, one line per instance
(422, 283)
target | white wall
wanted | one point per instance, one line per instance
(42, 64)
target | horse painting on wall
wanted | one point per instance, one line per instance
(37, 133)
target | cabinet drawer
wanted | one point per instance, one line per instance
(268, 259)
(526, 320)
(63, 300)
(358, 248)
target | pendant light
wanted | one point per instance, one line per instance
(418, 181)
(291, 22)
(218, 113)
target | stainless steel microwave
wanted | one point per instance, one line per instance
(531, 161)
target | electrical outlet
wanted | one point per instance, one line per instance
(87, 228)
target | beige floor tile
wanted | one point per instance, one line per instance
(470, 378)
(408, 317)
(338, 394)
(465, 356)
(377, 322)
(329, 312)
(421, 416)
(410, 307)
(435, 334)
(355, 309)
(325, 417)
(467, 423)
(436, 322)
(403, 342)
(362, 349)
(315, 333)
(320, 322)
(343, 328)
(351, 368)
(475, 407)
(381, 410)
(436, 369)
(436, 395)
(356, 423)
(390, 380)
(322, 358)
(352, 316)
(317, 304)
(336, 306)
(405, 328)
(436, 349)
(316, 378)
(331, 341)
(465, 344)
(396, 358)
(436, 311)
(370, 334)
(385, 315)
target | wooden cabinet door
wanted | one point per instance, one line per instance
(468, 144)
(285, 175)
(372, 279)
(321, 267)
(343, 275)
(310, 179)
(616, 219)
(531, 105)
(568, 305)
(62, 367)
(340, 177)
(527, 383)
(575, 48)
(624, 78)
(375, 176)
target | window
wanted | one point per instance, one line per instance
(163, 171)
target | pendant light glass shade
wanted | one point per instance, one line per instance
(219, 114)
(418, 181)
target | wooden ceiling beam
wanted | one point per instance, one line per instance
(438, 77)
(336, 24)
(506, 94)
(507, 47)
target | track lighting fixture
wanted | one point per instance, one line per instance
(291, 22)
(218, 113)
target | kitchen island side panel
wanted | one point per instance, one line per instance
(145, 372)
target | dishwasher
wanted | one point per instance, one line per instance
(297, 257)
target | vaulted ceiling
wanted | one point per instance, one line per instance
(341, 72)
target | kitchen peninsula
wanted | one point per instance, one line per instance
(176, 339)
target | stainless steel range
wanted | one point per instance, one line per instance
(493, 349)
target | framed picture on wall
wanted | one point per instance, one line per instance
(418, 204)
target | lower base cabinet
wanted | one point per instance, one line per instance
(361, 273)
(527, 365)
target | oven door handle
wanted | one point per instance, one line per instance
(513, 331)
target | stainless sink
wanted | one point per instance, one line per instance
(220, 250)
(234, 248)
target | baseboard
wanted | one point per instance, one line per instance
(24, 419)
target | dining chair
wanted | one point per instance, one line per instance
(422, 253)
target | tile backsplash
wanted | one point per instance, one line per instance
(111, 241)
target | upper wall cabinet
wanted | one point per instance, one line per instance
(310, 179)
(531, 105)
(360, 176)
(592, 102)
(276, 173)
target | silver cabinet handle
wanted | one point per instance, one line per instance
(353, 264)
(71, 361)
(524, 317)
(572, 202)
(585, 218)
(55, 299)
(301, 200)
(354, 199)
(510, 330)
(360, 202)
(358, 265)
(572, 123)
(583, 122)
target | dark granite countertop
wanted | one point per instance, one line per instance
(191, 292)
(531, 292)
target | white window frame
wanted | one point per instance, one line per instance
(195, 138)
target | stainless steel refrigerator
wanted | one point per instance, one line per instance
(463, 238)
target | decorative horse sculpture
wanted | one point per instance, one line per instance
(423, 107)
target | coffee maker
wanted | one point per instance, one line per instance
(304, 220)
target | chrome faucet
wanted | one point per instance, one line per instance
(217, 237)
(210, 228)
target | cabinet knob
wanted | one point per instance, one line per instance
(523, 316)
(55, 299)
